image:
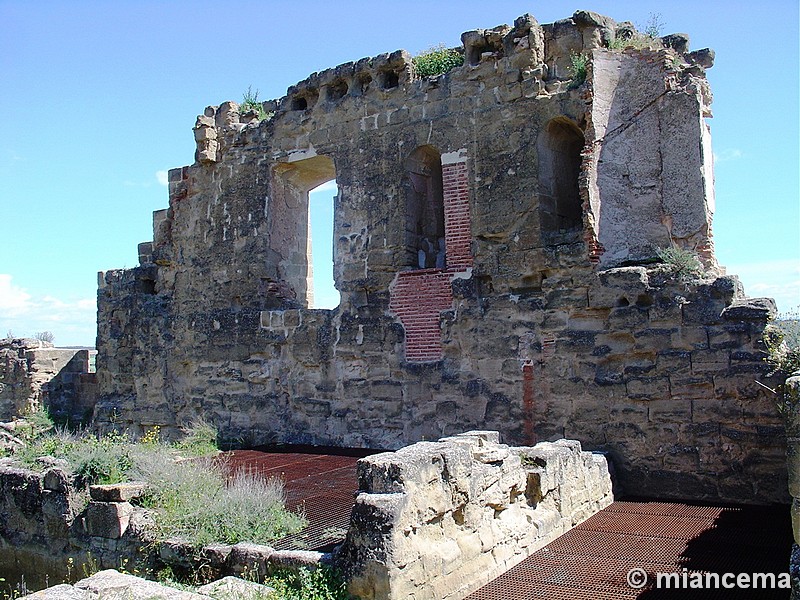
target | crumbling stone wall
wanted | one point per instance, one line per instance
(439, 519)
(34, 374)
(550, 319)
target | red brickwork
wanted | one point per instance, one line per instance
(457, 223)
(418, 298)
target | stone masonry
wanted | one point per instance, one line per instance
(436, 520)
(34, 374)
(496, 237)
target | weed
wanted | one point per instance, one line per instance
(35, 423)
(577, 67)
(322, 583)
(782, 339)
(250, 101)
(437, 61)
(654, 26)
(152, 437)
(684, 264)
(197, 504)
(199, 439)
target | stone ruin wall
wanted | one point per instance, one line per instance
(545, 318)
(35, 374)
(434, 520)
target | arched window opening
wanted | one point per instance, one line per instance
(303, 191)
(424, 230)
(560, 206)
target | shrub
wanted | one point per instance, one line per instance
(199, 439)
(782, 339)
(437, 61)
(197, 504)
(684, 264)
(250, 101)
(194, 501)
(577, 67)
(322, 583)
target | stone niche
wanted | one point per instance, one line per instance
(496, 237)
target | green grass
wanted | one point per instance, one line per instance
(577, 67)
(437, 61)
(323, 583)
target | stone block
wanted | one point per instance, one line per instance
(234, 587)
(761, 310)
(112, 584)
(108, 519)
(679, 411)
(117, 492)
(60, 592)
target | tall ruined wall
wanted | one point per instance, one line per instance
(487, 231)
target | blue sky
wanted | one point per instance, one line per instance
(99, 99)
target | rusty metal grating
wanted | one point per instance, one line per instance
(591, 561)
(323, 486)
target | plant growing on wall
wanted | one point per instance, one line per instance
(250, 101)
(684, 264)
(782, 341)
(654, 25)
(577, 67)
(437, 61)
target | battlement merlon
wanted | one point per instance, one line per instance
(525, 51)
(630, 77)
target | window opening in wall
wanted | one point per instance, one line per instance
(424, 228)
(320, 208)
(559, 149)
(293, 216)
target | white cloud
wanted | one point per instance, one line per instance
(13, 300)
(72, 321)
(727, 155)
(162, 177)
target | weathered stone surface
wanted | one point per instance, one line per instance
(233, 587)
(112, 585)
(34, 374)
(536, 205)
(437, 519)
(108, 519)
(751, 309)
(117, 492)
(60, 592)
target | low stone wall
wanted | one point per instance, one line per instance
(436, 520)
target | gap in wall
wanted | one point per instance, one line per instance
(320, 208)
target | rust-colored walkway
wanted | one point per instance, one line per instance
(588, 563)
(323, 486)
(591, 562)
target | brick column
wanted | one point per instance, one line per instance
(418, 298)
(457, 222)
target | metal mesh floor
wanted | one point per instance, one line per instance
(322, 486)
(591, 561)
